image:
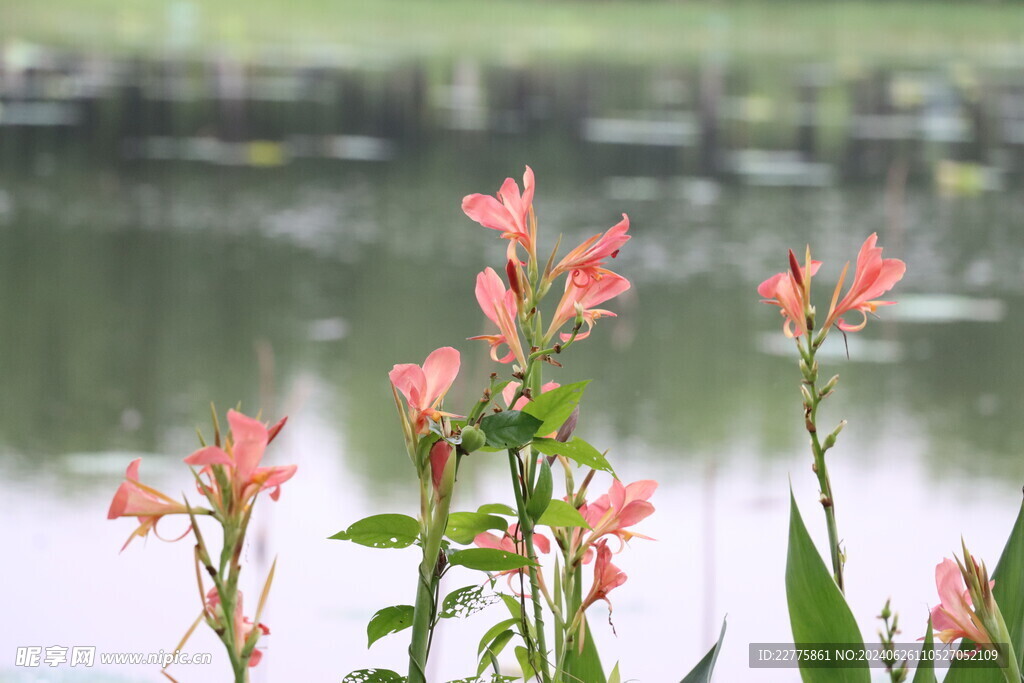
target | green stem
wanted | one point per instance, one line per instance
(426, 589)
(820, 468)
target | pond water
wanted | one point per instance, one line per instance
(139, 283)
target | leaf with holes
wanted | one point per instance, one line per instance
(466, 601)
(382, 531)
(388, 620)
(463, 527)
(373, 676)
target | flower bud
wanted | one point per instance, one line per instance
(473, 438)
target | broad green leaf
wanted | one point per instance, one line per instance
(514, 605)
(488, 559)
(818, 612)
(493, 632)
(926, 667)
(706, 666)
(560, 513)
(373, 676)
(466, 601)
(1009, 595)
(554, 407)
(493, 648)
(577, 450)
(585, 666)
(509, 429)
(463, 527)
(525, 663)
(541, 496)
(382, 531)
(388, 620)
(497, 509)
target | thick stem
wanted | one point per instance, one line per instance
(426, 588)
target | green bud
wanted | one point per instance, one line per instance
(473, 438)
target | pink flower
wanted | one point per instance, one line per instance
(241, 456)
(593, 293)
(509, 213)
(243, 625)
(606, 577)
(874, 276)
(424, 388)
(500, 308)
(620, 508)
(135, 499)
(955, 617)
(512, 542)
(790, 291)
(584, 263)
(440, 452)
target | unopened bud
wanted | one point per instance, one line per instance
(810, 373)
(473, 438)
(808, 399)
(829, 386)
(830, 440)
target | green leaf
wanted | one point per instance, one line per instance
(577, 450)
(494, 631)
(527, 666)
(554, 407)
(466, 601)
(925, 666)
(497, 509)
(490, 650)
(382, 531)
(463, 527)
(615, 676)
(818, 613)
(706, 666)
(561, 514)
(541, 495)
(373, 676)
(1009, 595)
(388, 620)
(488, 559)
(587, 665)
(514, 605)
(509, 429)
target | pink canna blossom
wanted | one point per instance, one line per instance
(500, 308)
(241, 456)
(789, 291)
(614, 512)
(606, 577)
(873, 277)
(955, 616)
(135, 499)
(593, 293)
(512, 542)
(584, 263)
(424, 387)
(509, 212)
(243, 626)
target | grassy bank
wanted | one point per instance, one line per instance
(528, 30)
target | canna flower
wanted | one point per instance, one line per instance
(512, 542)
(241, 456)
(955, 616)
(791, 292)
(499, 306)
(594, 292)
(620, 508)
(606, 577)
(424, 388)
(243, 626)
(873, 277)
(440, 455)
(511, 213)
(584, 263)
(135, 499)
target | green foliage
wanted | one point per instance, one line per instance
(818, 611)
(373, 676)
(382, 531)
(388, 620)
(463, 527)
(466, 601)
(706, 666)
(561, 514)
(541, 497)
(497, 509)
(585, 666)
(576, 450)
(488, 559)
(926, 667)
(493, 642)
(1009, 595)
(509, 429)
(554, 407)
